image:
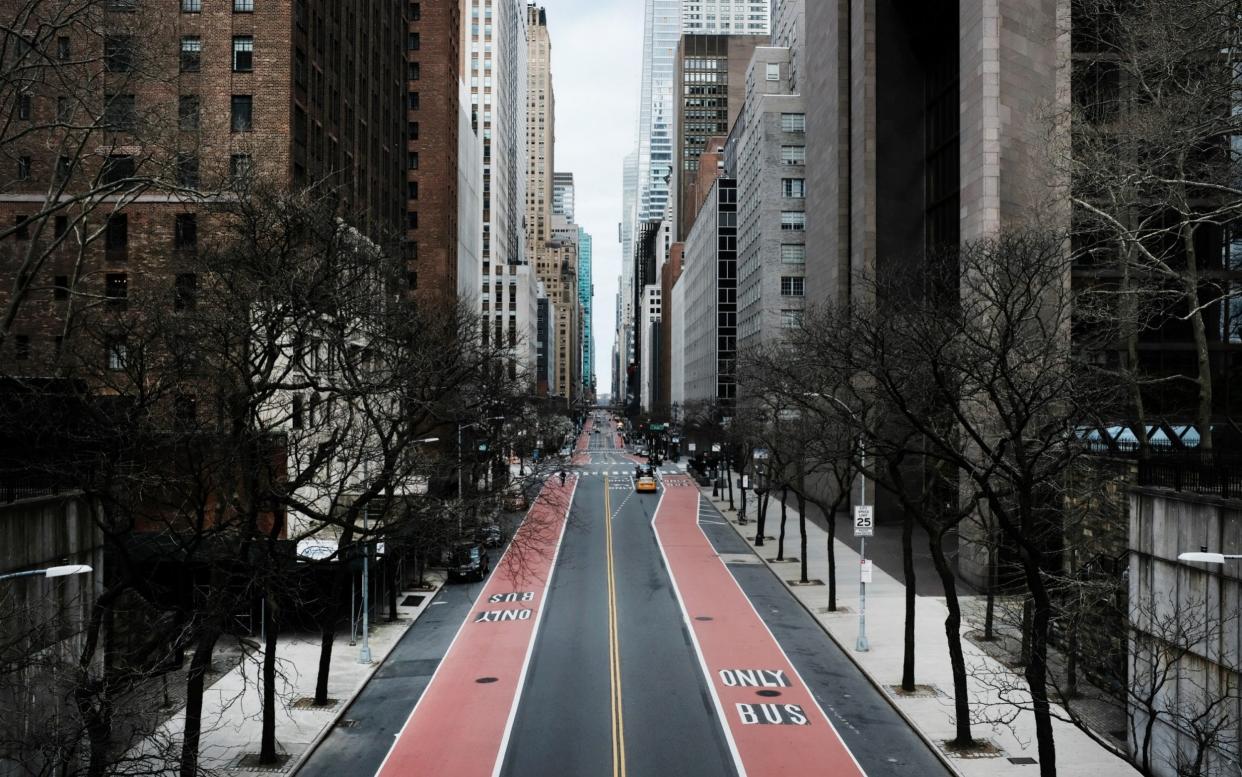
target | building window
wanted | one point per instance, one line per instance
(791, 319)
(191, 53)
(118, 353)
(411, 130)
(23, 106)
(191, 6)
(185, 291)
(793, 221)
(411, 219)
(60, 287)
(116, 236)
(187, 169)
(118, 168)
(243, 113)
(21, 227)
(243, 53)
(60, 226)
(793, 122)
(243, 6)
(118, 53)
(185, 231)
(120, 114)
(412, 101)
(793, 155)
(773, 71)
(23, 168)
(794, 188)
(21, 348)
(793, 253)
(296, 414)
(240, 166)
(189, 111)
(116, 289)
(416, 11)
(792, 285)
(64, 48)
(412, 71)
(412, 160)
(413, 41)
(411, 190)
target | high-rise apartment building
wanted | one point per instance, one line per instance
(725, 17)
(497, 54)
(709, 288)
(586, 297)
(710, 87)
(771, 177)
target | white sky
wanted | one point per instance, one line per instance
(596, 63)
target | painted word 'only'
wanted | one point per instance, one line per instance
(754, 678)
(495, 616)
(772, 714)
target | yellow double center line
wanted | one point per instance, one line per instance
(614, 646)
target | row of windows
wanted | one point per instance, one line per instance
(191, 54)
(196, 6)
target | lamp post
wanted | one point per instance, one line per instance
(364, 652)
(60, 571)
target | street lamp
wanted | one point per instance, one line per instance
(1203, 557)
(364, 652)
(60, 571)
(862, 645)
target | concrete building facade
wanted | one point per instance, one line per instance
(709, 289)
(586, 301)
(772, 184)
(563, 195)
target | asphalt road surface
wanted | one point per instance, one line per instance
(624, 633)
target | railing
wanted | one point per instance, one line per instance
(1203, 473)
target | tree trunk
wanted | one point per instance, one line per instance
(1037, 667)
(780, 542)
(761, 514)
(1202, 353)
(953, 633)
(390, 578)
(802, 533)
(989, 612)
(832, 560)
(907, 565)
(267, 745)
(332, 614)
(729, 478)
(193, 729)
(1024, 654)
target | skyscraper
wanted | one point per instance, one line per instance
(586, 293)
(563, 195)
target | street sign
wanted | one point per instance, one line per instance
(691, 446)
(715, 447)
(864, 521)
(761, 453)
(745, 482)
(865, 570)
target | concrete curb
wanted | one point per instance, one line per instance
(342, 708)
(875, 682)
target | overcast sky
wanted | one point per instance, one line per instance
(596, 62)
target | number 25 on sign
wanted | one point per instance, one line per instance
(864, 523)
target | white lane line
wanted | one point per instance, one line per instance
(534, 635)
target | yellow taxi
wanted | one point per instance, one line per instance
(645, 482)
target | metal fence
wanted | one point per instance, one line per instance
(1213, 474)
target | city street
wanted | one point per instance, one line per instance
(631, 634)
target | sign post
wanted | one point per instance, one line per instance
(864, 527)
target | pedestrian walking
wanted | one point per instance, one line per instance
(562, 477)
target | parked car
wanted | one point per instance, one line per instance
(469, 560)
(490, 536)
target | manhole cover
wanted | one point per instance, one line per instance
(486, 680)
(1023, 760)
(347, 723)
(812, 581)
(786, 560)
(703, 618)
(412, 601)
(768, 694)
(251, 762)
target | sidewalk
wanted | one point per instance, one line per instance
(930, 711)
(232, 709)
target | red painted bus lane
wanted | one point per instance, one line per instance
(461, 724)
(774, 726)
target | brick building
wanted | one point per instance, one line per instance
(159, 108)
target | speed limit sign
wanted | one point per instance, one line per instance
(864, 521)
